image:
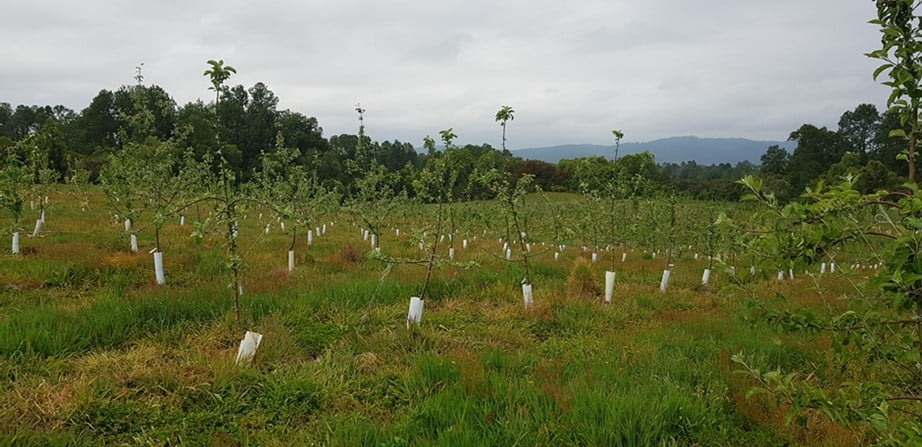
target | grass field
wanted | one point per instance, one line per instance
(92, 352)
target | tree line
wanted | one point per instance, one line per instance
(864, 146)
(243, 123)
(248, 122)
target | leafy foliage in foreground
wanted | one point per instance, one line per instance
(881, 329)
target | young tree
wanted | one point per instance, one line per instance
(435, 183)
(42, 175)
(901, 46)
(510, 193)
(504, 115)
(78, 179)
(14, 184)
(375, 200)
(360, 151)
(150, 180)
(224, 189)
(121, 179)
(168, 180)
(291, 187)
(218, 73)
(618, 136)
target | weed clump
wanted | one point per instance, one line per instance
(347, 255)
(582, 282)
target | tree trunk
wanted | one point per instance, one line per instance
(432, 250)
(611, 229)
(911, 155)
(522, 246)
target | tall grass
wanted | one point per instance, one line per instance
(107, 322)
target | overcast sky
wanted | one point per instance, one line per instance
(573, 71)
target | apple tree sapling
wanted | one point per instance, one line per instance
(510, 194)
(292, 188)
(14, 184)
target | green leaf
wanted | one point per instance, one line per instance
(755, 391)
(880, 70)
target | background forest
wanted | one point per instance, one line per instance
(249, 123)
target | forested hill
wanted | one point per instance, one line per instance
(666, 150)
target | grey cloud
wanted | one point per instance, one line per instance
(573, 71)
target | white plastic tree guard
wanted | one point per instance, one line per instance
(609, 286)
(158, 268)
(415, 313)
(248, 346)
(664, 281)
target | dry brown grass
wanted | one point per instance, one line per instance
(346, 257)
(367, 362)
(38, 403)
(583, 282)
(471, 371)
(123, 259)
(550, 379)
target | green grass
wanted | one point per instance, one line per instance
(107, 323)
(92, 353)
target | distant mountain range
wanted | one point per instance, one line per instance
(704, 151)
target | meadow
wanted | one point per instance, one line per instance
(94, 352)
